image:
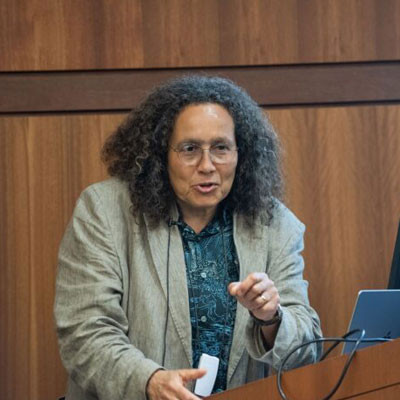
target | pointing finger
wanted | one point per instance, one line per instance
(191, 374)
(233, 288)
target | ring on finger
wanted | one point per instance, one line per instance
(264, 297)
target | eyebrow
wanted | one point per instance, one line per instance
(200, 142)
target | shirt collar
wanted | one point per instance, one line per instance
(220, 221)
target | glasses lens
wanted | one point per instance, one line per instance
(191, 154)
(221, 153)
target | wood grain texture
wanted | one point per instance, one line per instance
(389, 393)
(45, 164)
(100, 34)
(342, 180)
(268, 85)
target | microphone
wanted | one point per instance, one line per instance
(172, 223)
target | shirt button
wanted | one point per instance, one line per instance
(203, 318)
(203, 275)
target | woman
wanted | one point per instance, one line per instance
(186, 250)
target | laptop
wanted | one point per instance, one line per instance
(378, 313)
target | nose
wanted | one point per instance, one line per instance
(206, 165)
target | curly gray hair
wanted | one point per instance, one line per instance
(137, 151)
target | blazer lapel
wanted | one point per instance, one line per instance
(178, 289)
(251, 250)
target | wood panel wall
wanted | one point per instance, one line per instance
(39, 35)
(45, 163)
(341, 162)
(343, 181)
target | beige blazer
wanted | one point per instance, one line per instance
(110, 304)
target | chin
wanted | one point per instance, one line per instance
(207, 203)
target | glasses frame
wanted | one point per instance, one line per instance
(197, 162)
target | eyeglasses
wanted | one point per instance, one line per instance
(190, 153)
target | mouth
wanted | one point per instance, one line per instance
(206, 187)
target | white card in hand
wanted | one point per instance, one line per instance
(204, 385)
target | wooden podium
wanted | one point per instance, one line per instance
(374, 374)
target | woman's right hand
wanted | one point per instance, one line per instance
(170, 385)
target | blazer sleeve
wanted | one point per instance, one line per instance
(300, 323)
(91, 323)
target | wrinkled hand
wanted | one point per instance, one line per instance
(168, 385)
(249, 292)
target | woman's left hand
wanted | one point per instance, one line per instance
(258, 294)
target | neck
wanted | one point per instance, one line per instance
(198, 219)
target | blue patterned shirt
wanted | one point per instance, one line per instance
(211, 264)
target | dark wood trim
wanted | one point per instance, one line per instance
(270, 86)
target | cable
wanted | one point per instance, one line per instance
(344, 338)
(337, 342)
(167, 313)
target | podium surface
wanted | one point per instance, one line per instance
(374, 374)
